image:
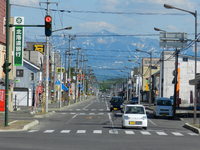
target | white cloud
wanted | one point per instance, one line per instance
(110, 4)
(172, 28)
(25, 2)
(97, 26)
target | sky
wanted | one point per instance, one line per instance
(127, 17)
(139, 21)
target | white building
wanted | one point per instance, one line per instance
(186, 70)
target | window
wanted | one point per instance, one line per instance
(32, 76)
(19, 73)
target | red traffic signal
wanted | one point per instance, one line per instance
(48, 25)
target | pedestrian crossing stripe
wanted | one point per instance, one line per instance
(117, 131)
(129, 132)
(145, 133)
(177, 134)
(48, 131)
(161, 133)
(113, 131)
(97, 131)
(81, 131)
(65, 131)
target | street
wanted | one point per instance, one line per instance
(89, 125)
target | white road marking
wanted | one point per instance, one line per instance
(97, 131)
(145, 132)
(161, 133)
(74, 116)
(78, 109)
(110, 118)
(91, 113)
(49, 131)
(100, 113)
(177, 134)
(107, 108)
(81, 131)
(72, 113)
(129, 132)
(113, 131)
(31, 131)
(101, 109)
(152, 122)
(193, 134)
(93, 109)
(65, 131)
(82, 114)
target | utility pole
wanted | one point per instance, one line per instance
(7, 61)
(47, 62)
(76, 72)
(175, 81)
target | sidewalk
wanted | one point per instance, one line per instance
(24, 118)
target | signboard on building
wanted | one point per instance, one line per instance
(173, 40)
(2, 100)
(18, 41)
(39, 48)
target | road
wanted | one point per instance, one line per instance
(90, 126)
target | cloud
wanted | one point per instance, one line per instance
(97, 26)
(25, 2)
(110, 4)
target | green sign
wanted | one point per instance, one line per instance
(18, 47)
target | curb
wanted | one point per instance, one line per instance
(25, 128)
(192, 128)
(30, 125)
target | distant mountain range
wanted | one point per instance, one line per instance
(108, 53)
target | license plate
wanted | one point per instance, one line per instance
(115, 109)
(131, 122)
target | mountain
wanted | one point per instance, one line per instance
(108, 53)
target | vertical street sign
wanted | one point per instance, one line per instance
(18, 41)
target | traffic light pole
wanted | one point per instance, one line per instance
(7, 61)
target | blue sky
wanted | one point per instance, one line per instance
(118, 23)
(136, 17)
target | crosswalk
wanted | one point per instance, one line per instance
(101, 110)
(116, 132)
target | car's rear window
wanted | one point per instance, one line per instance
(134, 110)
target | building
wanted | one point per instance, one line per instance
(146, 75)
(28, 77)
(185, 74)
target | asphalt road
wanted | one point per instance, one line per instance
(90, 126)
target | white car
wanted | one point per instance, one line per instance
(134, 116)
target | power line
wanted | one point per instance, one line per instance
(103, 12)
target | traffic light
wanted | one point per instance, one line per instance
(4, 67)
(48, 25)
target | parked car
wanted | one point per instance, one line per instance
(134, 116)
(134, 100)
(116, 103)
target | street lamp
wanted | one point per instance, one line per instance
(66, 28)
(150, 54)
(195, 16)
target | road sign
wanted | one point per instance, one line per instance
(173, 40)
(2, 100)
(18, 41)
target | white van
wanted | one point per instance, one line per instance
(163, 107)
